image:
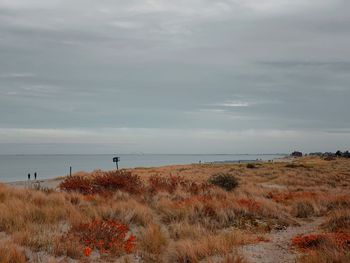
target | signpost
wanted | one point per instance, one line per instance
(116, 160)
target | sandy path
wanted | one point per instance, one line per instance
(278, 249)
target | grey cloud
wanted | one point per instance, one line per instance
(165, 65)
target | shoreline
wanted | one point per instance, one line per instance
(52, 183)
(16, 168)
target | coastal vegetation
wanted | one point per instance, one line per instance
(185, 213)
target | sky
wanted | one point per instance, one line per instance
(164, 76)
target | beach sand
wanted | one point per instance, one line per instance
(46, 183)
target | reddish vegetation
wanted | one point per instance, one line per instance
(107, 236)
(305, 242)
(78, 184)
(108, 182)
(122, 180)
(103, 183)
(251, 205)
(87, 251)
(341, 239)
(290, 196)
(316, 241)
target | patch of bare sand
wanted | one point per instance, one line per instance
(278, 249)
(47, 183)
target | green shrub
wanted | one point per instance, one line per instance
(225, 181)
(251, 166)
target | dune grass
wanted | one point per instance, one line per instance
(175, 213)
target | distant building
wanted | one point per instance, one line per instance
(297, 154)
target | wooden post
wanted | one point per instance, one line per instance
(70, 170)
(116, 160)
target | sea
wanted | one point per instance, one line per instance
(16, 167)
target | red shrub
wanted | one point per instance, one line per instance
(103, 183)
(107, 236)
(87, 251)
(341, 239)
(77, 184)
(119, 180)
(315, 241)
(307, 242)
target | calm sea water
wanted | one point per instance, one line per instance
(16, 167)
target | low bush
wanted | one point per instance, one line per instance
(107, 236)
(251, 166)
(119, 180)
(103, 182)
(77, 184)
(225, 181)
(307, 242)
(337, 240)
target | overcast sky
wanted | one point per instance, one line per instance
(165, 76)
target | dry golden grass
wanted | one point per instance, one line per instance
(338, 220)
(152, 241)
(9, 253)
(183, 225)
(187, 250)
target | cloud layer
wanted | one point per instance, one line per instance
(226, 67)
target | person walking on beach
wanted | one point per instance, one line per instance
(35, 175)
(28, 176)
